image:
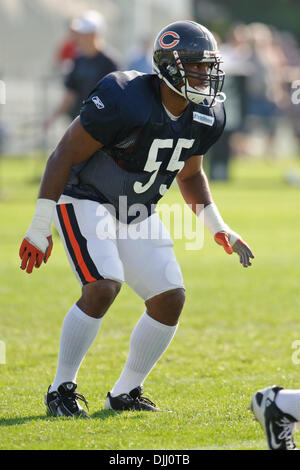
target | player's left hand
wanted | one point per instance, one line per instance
(232, 243)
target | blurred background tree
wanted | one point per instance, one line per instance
(219, 15)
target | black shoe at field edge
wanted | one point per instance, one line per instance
(279, 427)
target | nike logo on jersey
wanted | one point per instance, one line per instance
(203, 118)
(97, 102)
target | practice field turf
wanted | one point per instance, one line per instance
(235, 335)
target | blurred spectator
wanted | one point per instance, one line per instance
(260, 65)
(236, 50)
(141, 57)
(90, 64)
(235, 53)
(66, 51)
(291, 51)
(265, 87)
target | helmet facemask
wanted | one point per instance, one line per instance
(209, 91)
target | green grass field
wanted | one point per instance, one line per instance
(235, 334)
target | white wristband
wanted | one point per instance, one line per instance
(43, 215)
(212, 219)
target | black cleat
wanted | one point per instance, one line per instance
(279, 427)
(130, 401)
(64, 402)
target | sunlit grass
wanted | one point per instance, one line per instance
(235, 334)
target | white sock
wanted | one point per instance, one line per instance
(78, 332)
(288, 401)
(148, 342)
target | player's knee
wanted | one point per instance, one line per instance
(98, 296)
(176, 300)
(167, 307)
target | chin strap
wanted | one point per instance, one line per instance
(219, 98)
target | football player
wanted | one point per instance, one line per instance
(135, 134)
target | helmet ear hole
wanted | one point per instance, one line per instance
(173, 72)
(172, 69)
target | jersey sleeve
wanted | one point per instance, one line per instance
(100, 114)
(215, 132)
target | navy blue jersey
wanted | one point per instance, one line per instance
(144, 148)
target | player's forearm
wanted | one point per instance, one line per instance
(197, 194)
(196, 191)
(55, 177)
(37, 244)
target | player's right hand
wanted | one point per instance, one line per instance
(35, 248)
